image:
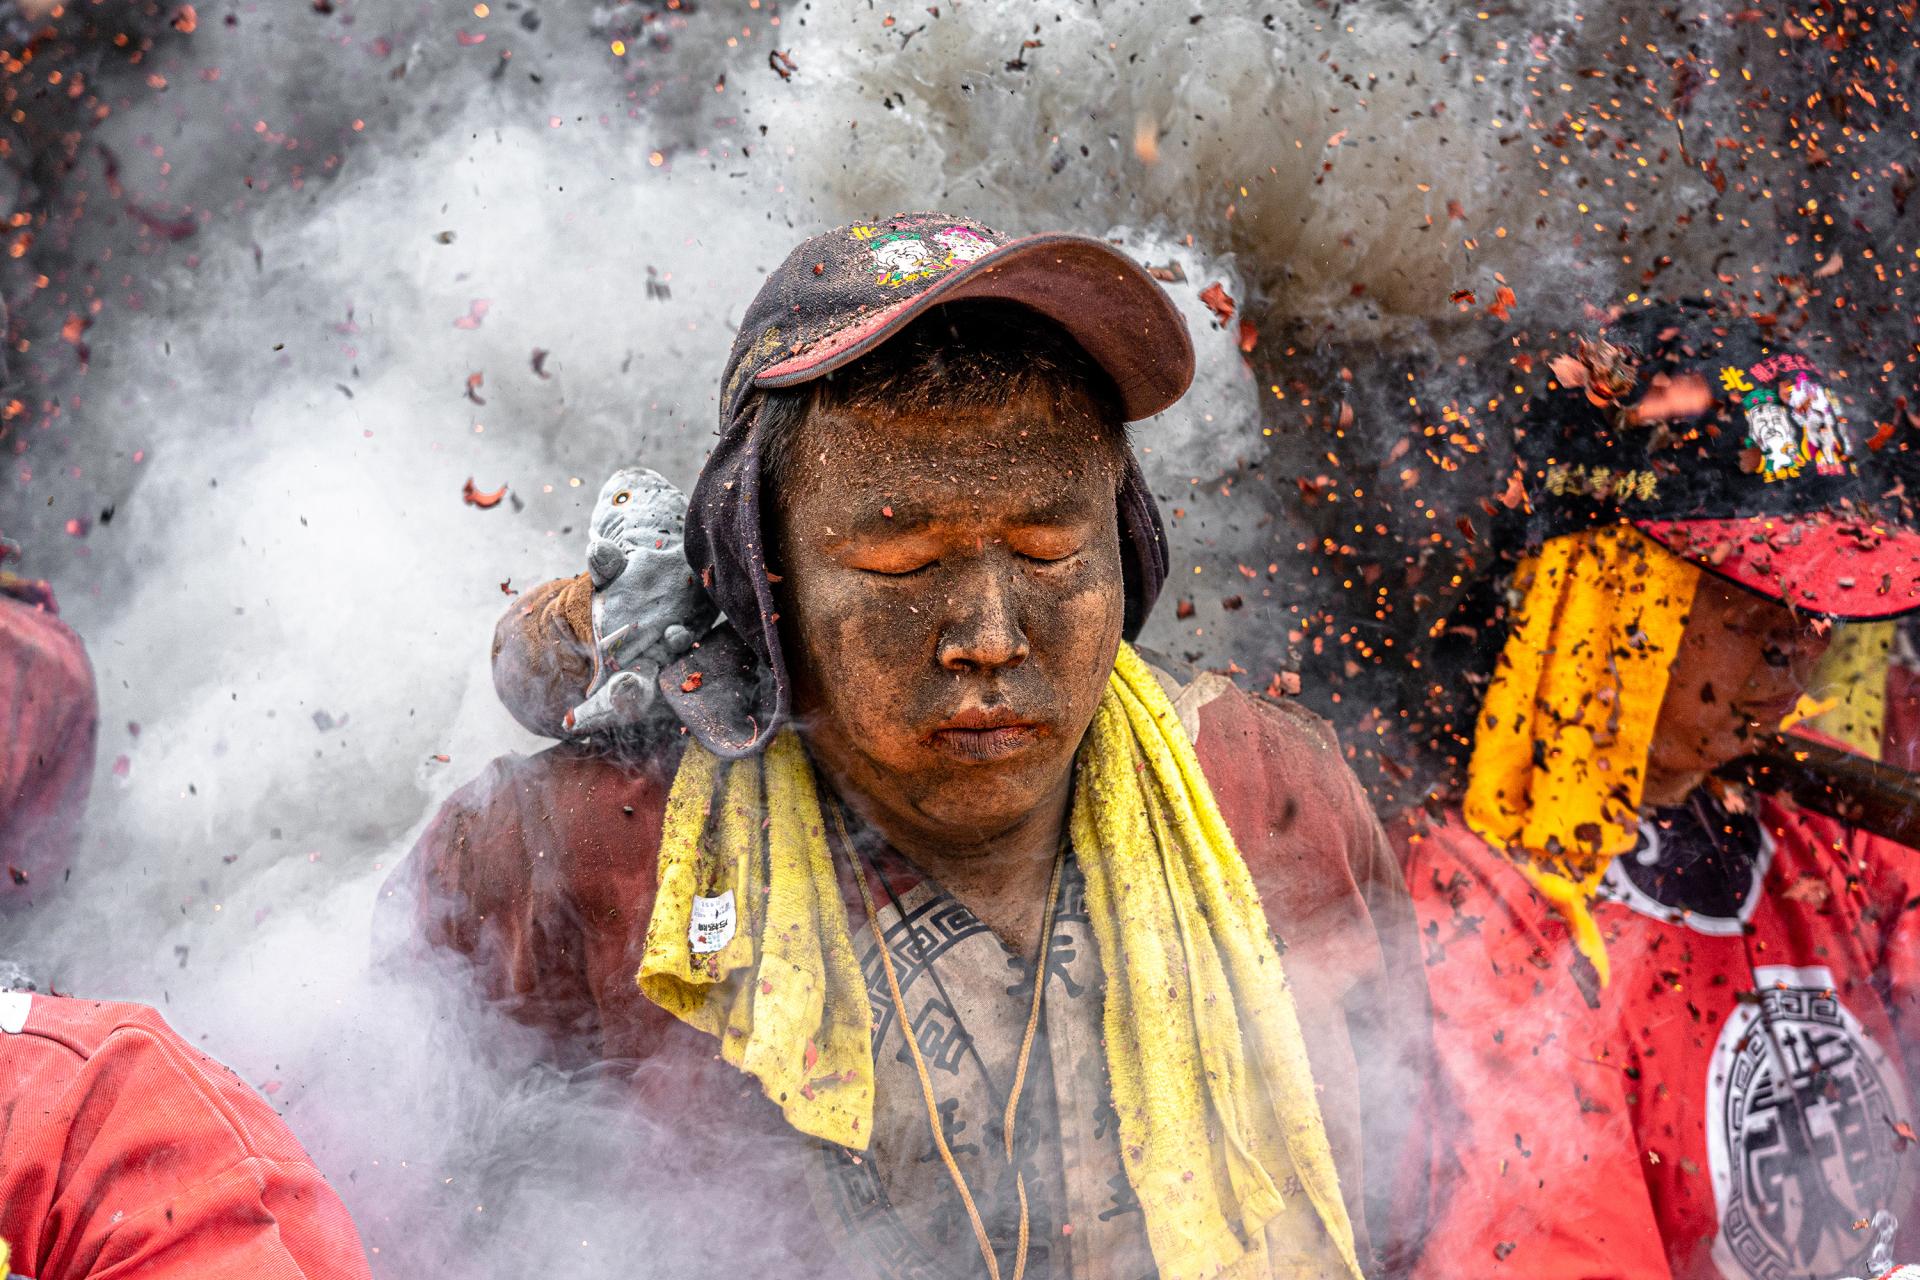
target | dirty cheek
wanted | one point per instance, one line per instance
(862, 645)
(1073, 627)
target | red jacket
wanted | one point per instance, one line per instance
(126, 1152)
(1736, 1102)
(48, 717)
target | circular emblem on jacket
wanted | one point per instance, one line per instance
(1801, 1108)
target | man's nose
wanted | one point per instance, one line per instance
(984, 630)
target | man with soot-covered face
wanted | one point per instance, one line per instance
(947, 920)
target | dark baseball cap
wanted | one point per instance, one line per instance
(844, 292)
(1729, 443)
(839, 296)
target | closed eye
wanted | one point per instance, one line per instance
(909, 572)
(1047, 544)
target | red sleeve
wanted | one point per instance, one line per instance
(48, 719)
(130, 1154)
(484, 882)
(1536, 1170)
(1890, 874)
(1332, 891)
(539, 874)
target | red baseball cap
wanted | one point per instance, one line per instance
(1848, 566)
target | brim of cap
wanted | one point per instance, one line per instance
(1847, 568)
(1118, 314)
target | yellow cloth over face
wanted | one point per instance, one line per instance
(1210, 1074)
(1560, 749)
(1852, 683)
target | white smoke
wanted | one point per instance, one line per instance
(291, 601)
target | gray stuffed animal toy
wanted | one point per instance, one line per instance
(648, 608)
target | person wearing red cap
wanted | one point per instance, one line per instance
(950, 937)
(48, 720)
(1674, 1018)
(124, 1151)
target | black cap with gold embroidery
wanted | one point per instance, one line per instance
(1728, 444)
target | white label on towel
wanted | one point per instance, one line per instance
(710, 928)
(14, 1006)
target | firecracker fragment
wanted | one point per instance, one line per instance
(473, 497)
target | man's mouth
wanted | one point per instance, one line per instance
(981, 734)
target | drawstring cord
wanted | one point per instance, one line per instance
(861, 868)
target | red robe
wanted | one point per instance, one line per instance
(124, 1151)
(48, 717)
(1737, 1105)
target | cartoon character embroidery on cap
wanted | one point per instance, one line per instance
(1770, 429)
(1823, 434)
(901, 256)
(963, 245)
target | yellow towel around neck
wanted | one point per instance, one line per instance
(1560, 749)
(1211, 1081)
(749, 939)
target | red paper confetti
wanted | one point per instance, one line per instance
(1218, 301)
(473, 497)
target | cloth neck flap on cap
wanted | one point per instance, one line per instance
(1560, 749)
(732, 692)
(1143, 547)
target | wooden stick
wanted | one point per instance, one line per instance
(1863, 793)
